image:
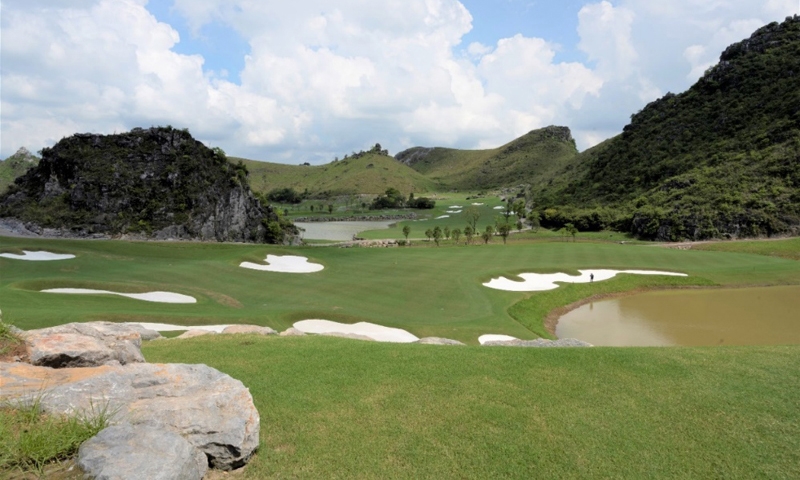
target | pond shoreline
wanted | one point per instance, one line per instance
(551, 320)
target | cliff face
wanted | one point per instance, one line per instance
(157, 182)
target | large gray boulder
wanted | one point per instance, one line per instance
(85, 345)
(195, 332)
(438, 341)
(292, 332)
(140, 452)
(212, 411)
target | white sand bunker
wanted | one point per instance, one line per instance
(495, 338)
(454, 207)
(285, 264)
(160, 297)
(477, 204)
(499, 207)
(442, 216)
(453, 211)
(378, 333)
(41, 256)
(537, 282)
(167, 327)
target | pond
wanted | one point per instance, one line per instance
(741, 316)
(340, 231)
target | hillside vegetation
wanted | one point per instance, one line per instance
(722, 159)
(531, 158)
(158, 182)
(369, 172)
(16, 165)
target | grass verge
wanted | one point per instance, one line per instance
(787, 248)
(334, 408)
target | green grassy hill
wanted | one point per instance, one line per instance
(722, 158)
(14, 166)
(532, 158)
(370, 173)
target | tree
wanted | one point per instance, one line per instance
(456, 235)
(533, 221)
(504, 230)
(312, 208)
(447, 232)
(429, 234)
(487, 234)
(406, 231)
(571, 230)
(519, 209)
(473, 214)
(519, 225)
(437, 235)
(509, 209)
(469, 232)
(330, 208)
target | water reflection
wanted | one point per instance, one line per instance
(746, 316)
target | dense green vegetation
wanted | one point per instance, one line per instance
(532, 159)
(719, 159)
(428, 291)
(14, 166)
(143, 181)
(334, 408)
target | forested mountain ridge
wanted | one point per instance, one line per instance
(721, 159)
(157, 182)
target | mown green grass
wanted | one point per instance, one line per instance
(334, 408)
(786, 248)
(428, 291)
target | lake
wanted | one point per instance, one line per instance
(341, 231)
(741, 316)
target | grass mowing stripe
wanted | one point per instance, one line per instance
(334, 408)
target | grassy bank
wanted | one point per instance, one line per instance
(429, 291)
(333, 408)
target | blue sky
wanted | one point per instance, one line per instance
(314, 79)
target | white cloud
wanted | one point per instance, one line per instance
(324, 78)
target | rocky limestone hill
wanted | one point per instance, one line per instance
(157, 183)
(719, 160)
(531, 158)
(16, 165)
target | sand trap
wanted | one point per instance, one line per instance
(477, 204)
(537, 282)
(453, 211)
(495, 338)
(166, 327)
(285, 264)
(455, 207)
(160, 297)
(378, 333)
(38, 256)
(442, 216)
(499, 208)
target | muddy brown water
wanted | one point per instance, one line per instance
(741, 316)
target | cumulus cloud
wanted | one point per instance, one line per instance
(324, 78)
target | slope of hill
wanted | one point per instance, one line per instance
(14, 166)
(531, 158)
(721, 159)
(158, 182)
(369, 172)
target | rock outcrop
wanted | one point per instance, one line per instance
(128, 452)
(154, 183)
(86, 344)
(254, 329)
(212, 411)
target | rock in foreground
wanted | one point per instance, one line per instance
(212, 411)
